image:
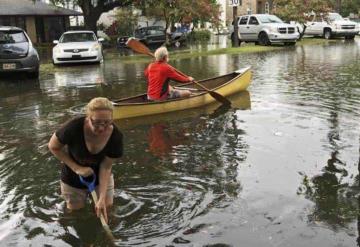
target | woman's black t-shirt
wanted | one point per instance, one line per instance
(72, 135)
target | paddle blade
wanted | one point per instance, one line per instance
(220, 98)
(138, 47)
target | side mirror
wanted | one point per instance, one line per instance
(101, 39)
(56, 42)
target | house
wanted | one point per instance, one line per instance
(43, 22)
(248, 7)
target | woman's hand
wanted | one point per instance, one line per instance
(84, 171)
(100, 208)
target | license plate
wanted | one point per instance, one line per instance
(76, 56)
(7, 66)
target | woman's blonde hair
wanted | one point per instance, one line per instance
(161, 53)
(99, 103)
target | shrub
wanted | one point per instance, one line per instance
(199, 35)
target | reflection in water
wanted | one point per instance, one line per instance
(83, 77)
(161, 140)
(328, 190)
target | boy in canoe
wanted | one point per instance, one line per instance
(158, 75)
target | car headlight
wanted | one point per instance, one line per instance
(273, 29)
(56, 50)
(95, 47)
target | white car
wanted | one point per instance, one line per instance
(331, 25)
(78, 47)
(266, 29)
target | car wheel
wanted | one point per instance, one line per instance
(327, 33)
(264, 39)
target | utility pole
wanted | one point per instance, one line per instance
(236, 27)
(235, 41)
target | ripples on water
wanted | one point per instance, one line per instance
(279, 171)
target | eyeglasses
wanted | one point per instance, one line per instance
(101, 123)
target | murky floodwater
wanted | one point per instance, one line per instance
(280, 169)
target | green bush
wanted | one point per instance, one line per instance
(199, 35)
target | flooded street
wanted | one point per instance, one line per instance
(281, 168)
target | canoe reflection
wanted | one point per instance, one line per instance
(239, 100)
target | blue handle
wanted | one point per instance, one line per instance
(90, 185)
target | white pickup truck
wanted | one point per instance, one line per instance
(265, 29)
(331, 25)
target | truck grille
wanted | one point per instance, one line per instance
(286, 30)
(348, 27)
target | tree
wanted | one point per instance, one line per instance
(345, 7)
(92, 9)
(126, 21)
(177, 11)
(299, 10)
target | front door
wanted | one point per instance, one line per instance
(243, 28)
(253, 28)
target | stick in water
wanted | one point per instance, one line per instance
(91, 188)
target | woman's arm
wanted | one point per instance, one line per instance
(57, 149)
(104, 177)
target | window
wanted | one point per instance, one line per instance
(77, 37)
(253, 21)
(243, 20)
(269, 19)
(11, 37)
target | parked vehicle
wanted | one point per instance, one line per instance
(331, 25)
(265, 29)
(77, 47)
(17, 52)
(153, 35)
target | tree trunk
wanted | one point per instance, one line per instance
(90, 22)
(303, 32)
(91, 15)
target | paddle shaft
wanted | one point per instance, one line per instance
(102, 218)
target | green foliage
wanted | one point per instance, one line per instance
(172, 11)
(349, 6)
(126, 21)
(296, 10)
(200, 35)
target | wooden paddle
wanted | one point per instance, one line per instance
(91, 188)
(139, 47)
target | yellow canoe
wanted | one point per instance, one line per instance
(239, 101)
(225, 85)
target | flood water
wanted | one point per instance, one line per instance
(281, 168)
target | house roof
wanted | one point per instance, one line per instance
(32, 8)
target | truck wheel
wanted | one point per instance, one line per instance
(327, 33)
(264, 39)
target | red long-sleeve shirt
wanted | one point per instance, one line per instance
(158, 75)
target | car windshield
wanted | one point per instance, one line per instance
(77, 37)
(12, 37)
(335, 17)
(269, 19)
